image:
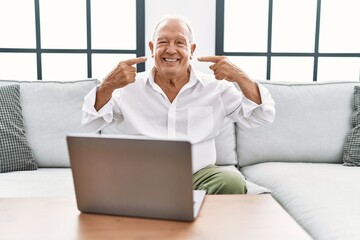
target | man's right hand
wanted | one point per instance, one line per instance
(123, 74)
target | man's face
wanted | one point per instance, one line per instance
(172, 50)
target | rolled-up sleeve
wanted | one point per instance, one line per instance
(243, 110)
(94, 120)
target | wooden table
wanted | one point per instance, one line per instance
(221, 217)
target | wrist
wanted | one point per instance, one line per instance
(103, 95)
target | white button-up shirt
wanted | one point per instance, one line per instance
(197, 113)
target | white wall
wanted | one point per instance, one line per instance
(201, 14)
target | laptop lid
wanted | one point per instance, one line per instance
(133, 176)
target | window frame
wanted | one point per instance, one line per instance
(140, 40)
(219, 41)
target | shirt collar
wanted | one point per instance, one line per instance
(192, 80)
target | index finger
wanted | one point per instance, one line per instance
(135, 60)
(213, 59)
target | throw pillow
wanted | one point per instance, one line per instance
(15, 152)
(352, 143)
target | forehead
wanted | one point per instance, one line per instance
(172, 27)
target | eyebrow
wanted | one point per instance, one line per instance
(176, 38)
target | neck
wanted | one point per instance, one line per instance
(171, 85)
(172, 82)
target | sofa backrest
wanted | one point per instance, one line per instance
(311, 124)
(51, 109)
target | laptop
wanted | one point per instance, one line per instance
(133, 176)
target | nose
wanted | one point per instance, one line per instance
(171, 48)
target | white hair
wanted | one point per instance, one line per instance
(175, 17)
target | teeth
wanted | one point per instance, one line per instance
(170, 60)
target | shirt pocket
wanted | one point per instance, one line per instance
(200, 121)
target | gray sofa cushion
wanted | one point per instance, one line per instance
(225, 144)
(352, 143)
(15, 152)
(51, 109)
(323, 198)
(311, 124)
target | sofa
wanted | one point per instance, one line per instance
(298, 159)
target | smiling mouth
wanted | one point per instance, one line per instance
(170, 59)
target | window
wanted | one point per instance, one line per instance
(299, 40)
(69, 39)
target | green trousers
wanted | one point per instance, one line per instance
(215, 180)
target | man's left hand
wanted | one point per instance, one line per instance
(224, 69)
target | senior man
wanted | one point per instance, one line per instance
(175, 101)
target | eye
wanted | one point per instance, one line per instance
(181, 43)
(162, 42)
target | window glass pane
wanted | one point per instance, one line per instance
(103, 64)
(62, 66)
(113, 24)
(17, 24)
(246, 24)
(63, 24)
(339, 28)
(18, 66)
(254, 67)
(292, 69)
(291, 31)
(338, 69)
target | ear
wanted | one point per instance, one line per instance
(151, 46)
(192, 48)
